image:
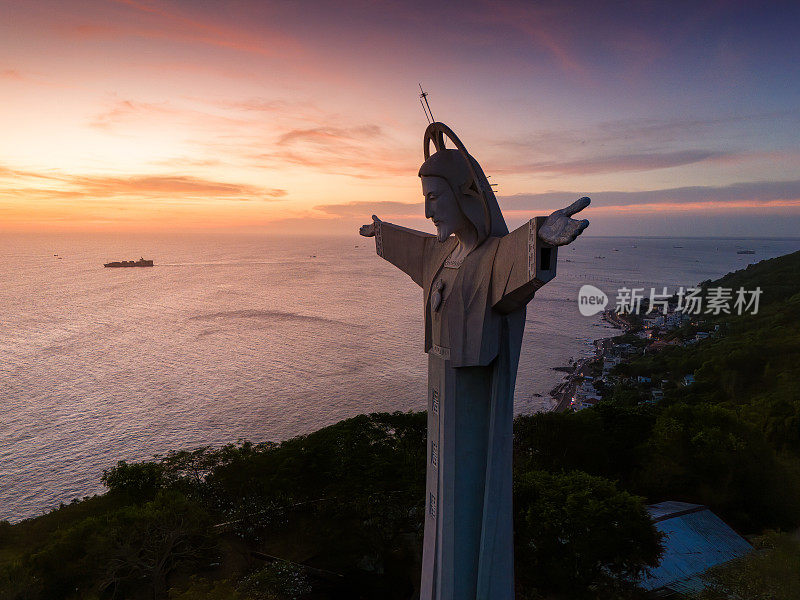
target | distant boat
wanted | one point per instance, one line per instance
(130, 263)
(599, 256)
(745, 252)
(677, 246)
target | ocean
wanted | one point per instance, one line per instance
(259, 338)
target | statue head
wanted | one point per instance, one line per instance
(457, 193)
(444, 178)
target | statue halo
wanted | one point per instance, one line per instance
(436, 132)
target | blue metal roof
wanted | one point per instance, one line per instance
(695, 540)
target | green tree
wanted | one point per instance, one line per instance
(605, 440)
(150, 541)
(706, 454)
(139, 481)
(131, 550)
(579, 535)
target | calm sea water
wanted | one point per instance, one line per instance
(250, 337)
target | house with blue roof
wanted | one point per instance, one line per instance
(695, 539)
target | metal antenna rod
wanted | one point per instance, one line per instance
(423, 97)
(426, 112)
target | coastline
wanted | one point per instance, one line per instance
(563, 394)
(216, 369)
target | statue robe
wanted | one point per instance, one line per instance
(473, 334)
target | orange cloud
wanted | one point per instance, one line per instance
(168, 187)
(11, 74)
(177, 185)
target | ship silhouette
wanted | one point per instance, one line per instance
(130, 263)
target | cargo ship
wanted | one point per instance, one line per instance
(130, 263)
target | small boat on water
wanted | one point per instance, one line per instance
(130, 263)
(745, 252)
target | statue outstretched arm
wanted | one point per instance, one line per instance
(559, 229)
(526, 257)
(401, 246)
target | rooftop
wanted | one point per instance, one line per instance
(695, 540)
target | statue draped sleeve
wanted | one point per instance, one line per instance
(403, 247)
(522, 265)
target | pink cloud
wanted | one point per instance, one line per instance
(618, 163)
(749, 193)
(329, 135)
(158, 22)
(770, 195)
(363, 210)
(544, 27)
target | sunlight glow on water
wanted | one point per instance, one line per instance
(258, 338)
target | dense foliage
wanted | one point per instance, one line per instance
(341, 509)
(579, 535)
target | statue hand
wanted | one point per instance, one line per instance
(369, 230)
(559, 229)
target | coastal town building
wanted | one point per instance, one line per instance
(699, 337)
(609, 362)
(585, 396)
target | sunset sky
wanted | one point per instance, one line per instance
(677, 118)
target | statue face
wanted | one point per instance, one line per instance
(442, 208)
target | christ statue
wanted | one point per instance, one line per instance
(477, 279)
